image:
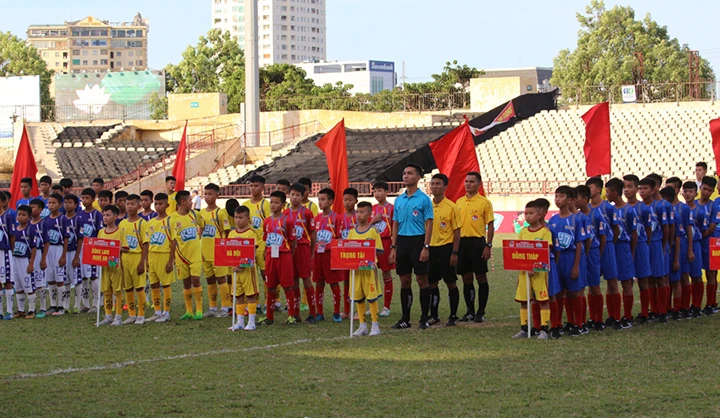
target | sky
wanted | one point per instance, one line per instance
(423, 34)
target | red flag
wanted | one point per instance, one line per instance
(24, 167)
(455, 156)
(179, 167)
(715, 133)
(597, 140)
(333, 144)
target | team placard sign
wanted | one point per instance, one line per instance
(714, 253)
(101, 252)
(526, 255)
(234, 252)
(352, 254)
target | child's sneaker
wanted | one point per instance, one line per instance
(164, 317)
(304, 307)
(92, 310)
(52, 310)
(40, 315)
(223, 313)
(198, 316)
(107, 321)
(117, 322)
(30, 315)
(310, 320)
(319, 317)
(59, 312)
(543, 335)
(291, 321)
(212, 313)
(361, 331)
(155, 317)
(250, 326)
(266, 321)
(375, 329)
(84, 310)
(8, 317)
(140, 320)
(385, 312)
(130, 320)
(522, 334)
(237, 327)
(188, 315)
(337, 318)
(75, 310)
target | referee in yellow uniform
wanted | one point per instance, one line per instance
(444, 246)
(476, 214)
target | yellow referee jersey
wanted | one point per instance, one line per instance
(475, 214)
(446, 221)
(185, 230)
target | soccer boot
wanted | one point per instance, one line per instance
(117, 322)
(401, 324)
(708, 311)
(641, 320)
(617, 326)
(584, 330)
(434, 320)
(51, 311)
(534, 332)
(92, 310)
(319, 317)
(30, 315)
(361, 331)
(337, 318)
(423, 324)
(198, 316)
(165, 317)
(697, 313)
(590, 324)
(609, 322)
(155, 317)
(188, 315)
(212, 313)
(8, 317)
(479, 319)
(599, 326)
(237, 327)
(522, 334)
(662, 318)
(468, 317)
(223, 313)
(250, 326)
(685, 314)
(374, 329)
(140, 320)
(385, 312)
(107, 321)
(291, 321)
(675, 315)
(304, 307)
(40, 315)
(310, 320)
(555, 333)
(575, 331)
(452, 321)
(543, 335)
(626, 323)
(130, 320)
(266, 321)
(19, 315)
(59, 312)
(84, 310)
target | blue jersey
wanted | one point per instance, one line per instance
(683, 219)
(89, 223)
(39, 241)
(567, 232)
(21, 202)
(626, 222)
(716, 219)
(642, 220)
(152, 215)
(608, 212)
(658, 219)
(7, 224)
(711, 215)
(700, 222)
(586, 226)
(72, 229)
(25, 241)
(54, 230)
(119, 219)
(45, 212)
(597, 226)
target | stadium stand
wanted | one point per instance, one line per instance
(85, 136)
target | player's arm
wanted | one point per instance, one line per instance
(691, 254)
(43, 259)
(31, 266)
(603, 242)
(665, 236)
(633, 242)
(425, 253)
(575, 272)
(143, 257)
(616, 232)
(456, 247)
(171, 259)
(78, 253)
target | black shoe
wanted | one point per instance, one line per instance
(452, 321)
(617, 326)
(641, 320)
(685, 314)
(584, 330)
(662, 318)
(423, 324)
(555, 333)
(599, 326)
(479, 319)
(566, 329)
(697, 313)
(468, 317)
(676, 316)
(433, 320)
(626, 323)
(609, 322)
(310, 320)
(574, 331)
(401, 324)
(652, 317)
(298, 319)
(267, 322)
(534, 332)
(590, 324)
(715, 308)
(708, 311)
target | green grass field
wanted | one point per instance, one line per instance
(67, 367)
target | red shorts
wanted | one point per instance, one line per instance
(322, 271)
(278, 271)
(383, 257)
(302, 261)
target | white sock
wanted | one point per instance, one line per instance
(53, 295)
(2, 304)
(9, 299)
(78, 295)
(31, 302)
(241, 320)
(85, 294)
(65, 296)
(95, 284)
(251, 319)
(20, 301)
(43, 300)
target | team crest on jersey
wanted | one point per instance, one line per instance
(209, 231)
(381, 226)
(565, 239)
(415, 212)
(256, 222)
(188, 234)
(274, 239)
(132, 242)
(654, 225)
(324, 235)
(45, 213)
(443, 224)
(157, 238)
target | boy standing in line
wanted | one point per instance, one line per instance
(54, 255)
(246, 288)
(134, 260)
(185, 231)
(89, 224)
(216, 225)
(305, 239)
(112, 275)
(328, 227)
(160, 260)
(382, 221)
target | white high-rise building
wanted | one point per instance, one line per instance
(289, 31)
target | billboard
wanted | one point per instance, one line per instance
(19, 97)
(119, 95)
(382, 66)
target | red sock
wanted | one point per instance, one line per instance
(554, 309)
(388, 292)
(560, 307)
(628, 301)
(336, 298)
(569, 311)
(698, 291)
(578, 304)
(610, 304)
(712, 294)
(677, 304)
(290, 297)
(686, 293)
(669, 298)
(654, 293)
(270, 302)
(617, 305)
(598, 307)
(644, 302)
(536, 315)
(591, 307)
(310, 292)
(320, 298)
(583, 311)
(663, 299)
(346, 297)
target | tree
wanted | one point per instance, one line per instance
(158, 106)
(456, 77)
(18, 58)
(607, 45)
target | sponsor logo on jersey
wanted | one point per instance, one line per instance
(274, 238)
(188, 234)
(157, 238)
(209, 231)
(324, 236)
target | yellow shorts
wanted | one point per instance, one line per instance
(210, 270)
(156, 270)
(131, 279)
(366, 286)
(539, 284)
(185, 271)
(260, 256)
(112, 279)
(245, 283)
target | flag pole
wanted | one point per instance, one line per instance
(529, 310)
(100, 301)
(352, 303)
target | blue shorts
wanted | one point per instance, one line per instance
(593, 267)
(706, 254)
(658, 263)
(674, 276)
(642, 260)
(565, 265)
(696, 265)
(623, 257)
(608, 264)
(553, 279)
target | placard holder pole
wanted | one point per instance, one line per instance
(351, 293)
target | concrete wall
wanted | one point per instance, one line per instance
(196, 105)
(487, 93)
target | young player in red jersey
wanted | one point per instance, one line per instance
(382, 221)
(328, 226)
(302, 257)
(280, 241)
(349, 222)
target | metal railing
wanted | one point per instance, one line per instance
(382, 102)
(644, 93)
(279, 137)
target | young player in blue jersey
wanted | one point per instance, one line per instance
(658, 237)
(683, 228)
(670, 216)
(586, 248)
(73, 273)
(712, 214)
(674, 254)
(89, 224)
(23, 265)
(146, 201)
(25, 189)
(598, 230)
(568, 240)
(54, 257)
(626, 238)
(554, 287)
(697, 229)
(7, 224)
(37, 206)
(641, 256)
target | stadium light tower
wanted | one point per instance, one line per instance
(252, 74)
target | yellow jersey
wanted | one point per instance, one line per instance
(258, 212)
(172, 203)
(542, 234)
(186, 230)
(446, 220)
(96, 206)
(475, 214)
(216, 225)
(135, 234)
(116, 235)
(372, 235)
(113, 273)
(159, 234)
(250, 233)
(313, 207)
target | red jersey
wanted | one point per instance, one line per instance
(384, 227)
(328, 228)
(278, 231)
(304, 223)
(348, 222)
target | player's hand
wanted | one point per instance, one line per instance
(141, 268)
(530, 274)
(424, 255)
(453, 260)
(676, 265)
(574, 273)
(392, 256)
(62, 261)
(30, 269)
(43, 264)
(377, 218)
(76, 262)
(169, 266)
(486, 253)
(691, 256)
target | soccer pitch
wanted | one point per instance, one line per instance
(66, 367)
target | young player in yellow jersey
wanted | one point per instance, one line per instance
(172, 195)
(367, 285)
(160, 264)
(185, 230)
(216, 225)
(538, 280)
(245, 287)
(111, 281)
(259, 211)
(97, 185)
(134, 259)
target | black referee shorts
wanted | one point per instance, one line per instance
(440, 265)
(470, 256)
(408, 255)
